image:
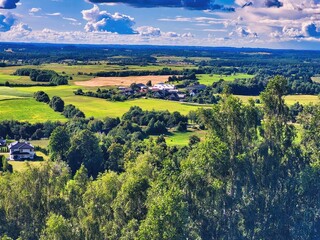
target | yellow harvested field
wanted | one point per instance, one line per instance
(121, 81)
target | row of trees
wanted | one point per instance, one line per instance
(57, 104)
(42, 76)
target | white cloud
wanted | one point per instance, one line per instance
(102, 21)
(34, 10)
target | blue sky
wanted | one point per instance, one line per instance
(238, 23)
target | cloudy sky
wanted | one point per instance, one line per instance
(238, 23)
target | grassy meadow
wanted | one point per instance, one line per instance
(27, 109)
(182, 138)
(208, 79)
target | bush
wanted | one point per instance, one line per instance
(41, 96)
(70, 111)
(57, 104)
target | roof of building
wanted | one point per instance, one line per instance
(20, 145)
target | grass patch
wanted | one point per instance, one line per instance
(182, 138)
(43, 143)
(28, 110)
(23, 165)
(208, 79)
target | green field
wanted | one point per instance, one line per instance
(29, 110)
(182, 138)
(208, 79)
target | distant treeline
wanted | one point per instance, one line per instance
(37, 75)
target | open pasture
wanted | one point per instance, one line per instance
(208, 79)
(100, 108)
(121, 81)
(29, 110)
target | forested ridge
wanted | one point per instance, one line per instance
(251, 178)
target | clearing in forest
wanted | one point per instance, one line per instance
(121, 81)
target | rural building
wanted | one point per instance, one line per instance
(21, 151)
(163, 86)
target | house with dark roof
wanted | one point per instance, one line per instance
(21, 151)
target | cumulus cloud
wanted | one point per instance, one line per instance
(189, 4)
(243, 32)
(8, 4)
(102, 21)
(6, 22)
(148, 31)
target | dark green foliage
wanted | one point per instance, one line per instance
(42, 76)
(59, 144)
(85, 150)
(4, 165)
(41, 96)
(182, 127)
(57, 104)
(70, 111)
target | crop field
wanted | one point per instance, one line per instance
(208, 79)
(121, 81)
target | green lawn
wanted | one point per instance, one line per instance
(22, 166)
(208, 79)
(27, 110)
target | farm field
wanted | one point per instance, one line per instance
(100, 108)
(29, 110)
(208, 79)
(95, 107)
(121, 81)
(290, 99)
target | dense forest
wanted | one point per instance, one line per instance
(251, 178)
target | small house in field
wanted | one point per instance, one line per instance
(21, 151)
(3, 142)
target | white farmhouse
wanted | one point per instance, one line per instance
(163, 86)
(21, 150)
